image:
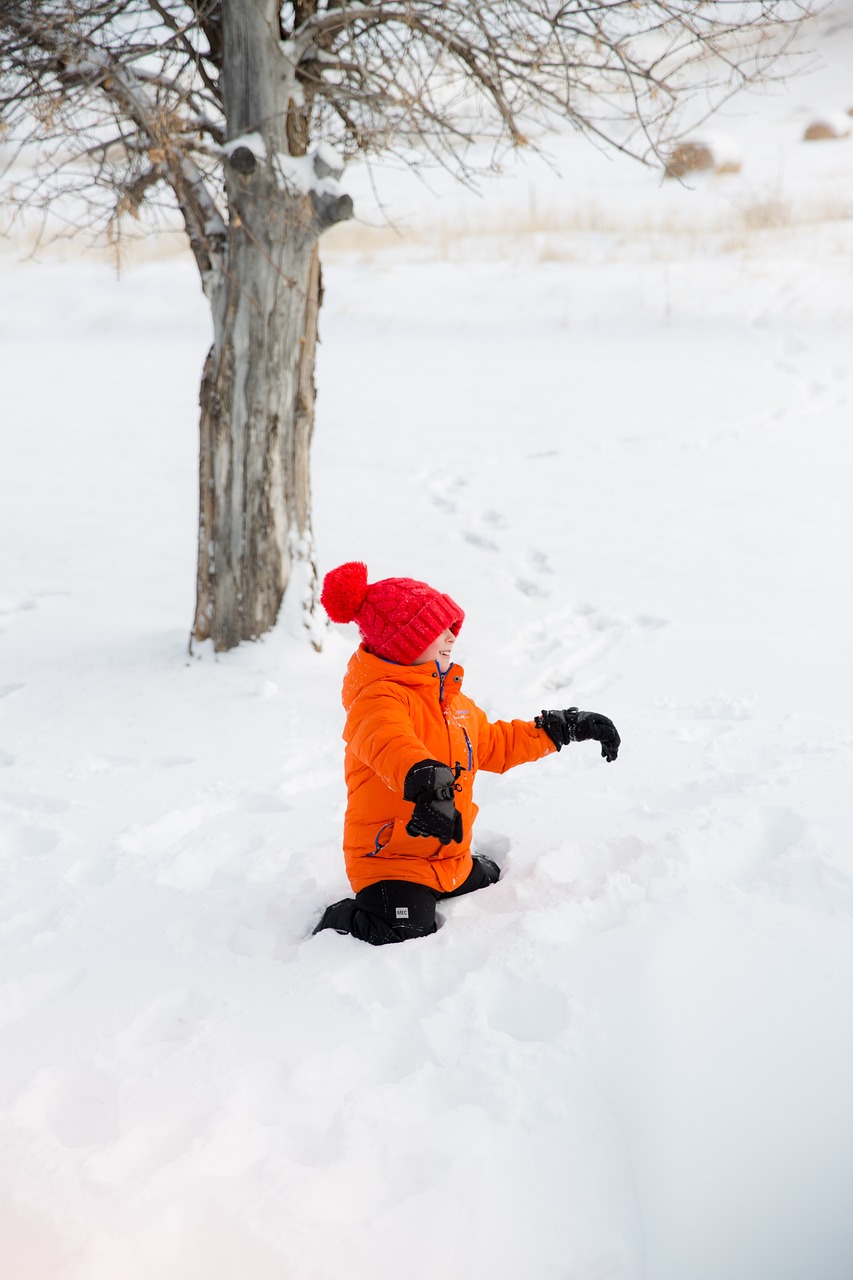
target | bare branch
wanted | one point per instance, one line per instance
(426, 80)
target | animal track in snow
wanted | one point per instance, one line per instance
(442, 488)
(818, 387)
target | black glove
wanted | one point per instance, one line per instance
(563, 727)
(431, 785)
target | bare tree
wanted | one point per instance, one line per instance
(242, 112)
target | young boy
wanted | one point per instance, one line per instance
(414, 743)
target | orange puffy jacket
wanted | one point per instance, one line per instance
(396, 716)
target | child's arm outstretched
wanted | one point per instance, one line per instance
(506, 743)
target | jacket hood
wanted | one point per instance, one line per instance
(365, 669)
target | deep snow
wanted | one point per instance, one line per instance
(627, 454)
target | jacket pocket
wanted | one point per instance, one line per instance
(383, 837)
(392, 840)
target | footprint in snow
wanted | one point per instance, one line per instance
(443, 503)
(538, 561)
(441, 487)
(12, 605)
(529, 588)
(479, 540)
(564, 642)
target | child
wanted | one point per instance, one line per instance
(414, 743)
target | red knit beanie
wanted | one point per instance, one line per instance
(398, 617)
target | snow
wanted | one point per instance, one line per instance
(622, 442)
(301, 172)
(329, 157)
(253, 142)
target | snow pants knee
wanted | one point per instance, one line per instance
(395, 910)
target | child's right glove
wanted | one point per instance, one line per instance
(430, 785)
(563, 727)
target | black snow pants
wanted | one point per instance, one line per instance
(394, 910)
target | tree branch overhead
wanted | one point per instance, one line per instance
(240, 114)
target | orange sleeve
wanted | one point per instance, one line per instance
(380, 733)
(502, 744)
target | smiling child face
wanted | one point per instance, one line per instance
(438, 651)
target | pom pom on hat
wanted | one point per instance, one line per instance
(398, 617)
(344, 590)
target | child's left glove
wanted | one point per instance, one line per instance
(430, 785)
(571, 725)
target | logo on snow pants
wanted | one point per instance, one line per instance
(402, 913)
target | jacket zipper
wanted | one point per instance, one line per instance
(442, 675)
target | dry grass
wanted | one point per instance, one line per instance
(546, 235)
(560, 234)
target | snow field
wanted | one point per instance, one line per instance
(630, 463)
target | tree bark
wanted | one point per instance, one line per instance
(257, 391)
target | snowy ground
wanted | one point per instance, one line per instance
(627, 454)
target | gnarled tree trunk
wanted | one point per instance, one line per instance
(257, 393)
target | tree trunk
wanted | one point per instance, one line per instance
(257, 391)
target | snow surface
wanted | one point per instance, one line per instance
(253, 142)
(627, 453)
